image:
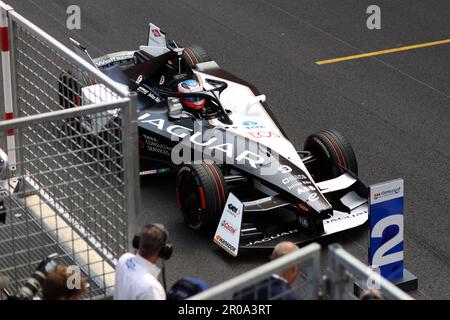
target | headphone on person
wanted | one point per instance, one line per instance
(166, 249)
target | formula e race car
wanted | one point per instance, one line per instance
(238, 176)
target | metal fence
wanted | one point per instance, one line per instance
(260, 284)
(345, 271)
(70, 135)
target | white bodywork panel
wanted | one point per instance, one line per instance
(260, 126)
(251, 120)
(340, 221)
(98, 94)
(342, 182)
(351, 200)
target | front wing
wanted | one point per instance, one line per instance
(233, 234)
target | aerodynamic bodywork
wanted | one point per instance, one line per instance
(238, 176)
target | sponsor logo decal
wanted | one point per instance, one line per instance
(154, 171)
(270, 238)
(303, 207)
(139, 79)
(130, 263)
(249, 125)
(213, 144)
(264, 134)
(313, 197)
(162, 80)
(156, 33)
(151, 144)
(227, 226)
(346, 217)
(308, 189)
(112, 58)
(233, 210)
(299, 181)
(225, 243)
(149, 93)
(386, 193)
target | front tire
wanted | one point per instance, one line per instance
(334, 153)
(201, 195)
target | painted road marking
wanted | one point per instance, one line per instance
(377, 53)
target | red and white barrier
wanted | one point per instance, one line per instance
(7, 82)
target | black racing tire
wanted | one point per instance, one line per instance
(201, 195)
(194, 55)
(333, 151)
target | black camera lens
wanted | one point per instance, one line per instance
(135, 242)
(35, 282)
(32, 286)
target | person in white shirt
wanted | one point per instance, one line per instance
(137, 275)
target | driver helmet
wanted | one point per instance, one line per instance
(188, 86)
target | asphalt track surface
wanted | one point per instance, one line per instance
(393, 108)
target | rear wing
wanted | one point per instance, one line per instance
(156, 43)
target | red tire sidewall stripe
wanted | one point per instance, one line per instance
(194, 55)
(201, 190)
(332, 145)
(220, 182)
(217, 187)
(339, 149)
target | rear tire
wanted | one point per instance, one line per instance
(201, 195)
(333, 151)
(194, 55)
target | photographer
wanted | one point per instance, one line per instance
(137, 275)
(56, 285)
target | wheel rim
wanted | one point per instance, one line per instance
(190, 201)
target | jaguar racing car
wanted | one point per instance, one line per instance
(238, 176)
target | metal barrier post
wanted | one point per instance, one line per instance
(7, 72)
(335, 274)
(342, 263)
(314, 278)
(132, 193)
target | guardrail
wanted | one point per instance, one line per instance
(344, 271)
(259, 281)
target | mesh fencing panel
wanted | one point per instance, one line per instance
(350, 279)
(72, 184)
(295, 276)
(69, 200)
(276, 287)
